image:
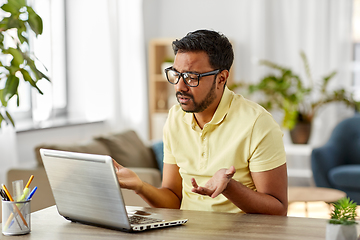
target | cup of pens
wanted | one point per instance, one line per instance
(12, 222)
(16, 211)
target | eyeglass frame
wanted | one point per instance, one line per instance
(181, 75)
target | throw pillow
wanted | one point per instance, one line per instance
(157, 147)
(127, 149)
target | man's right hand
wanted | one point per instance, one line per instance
(127, 178)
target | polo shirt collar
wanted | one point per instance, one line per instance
(220, 112)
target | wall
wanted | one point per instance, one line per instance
(273, 30)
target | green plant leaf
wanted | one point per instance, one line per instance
(17, 56)
(20, 33)
(7, 7)
(22, 18)
(35, 21)
(1, 119)
(12, 69)
(42, 75)
(32, 66)
(2, 98)
(1, 39)
(10, 118)
(12, 23)
(326, 80)
(29, 79)
(26, 75)
(17, 99)
(4, 23)
(18, 4)
(11, 87)
(344, 212)
(37, 73)
(306, 66)
(286, 91)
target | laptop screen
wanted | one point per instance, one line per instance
(85, 188)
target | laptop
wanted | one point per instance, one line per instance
(86, 190)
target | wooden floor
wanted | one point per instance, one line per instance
(314, 210)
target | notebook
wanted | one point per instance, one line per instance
(86, 190)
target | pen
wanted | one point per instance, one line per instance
(3, 195)
(28, 183)
(31, 194)
(26, 190)
(15, 207)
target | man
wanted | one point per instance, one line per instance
(221, 151)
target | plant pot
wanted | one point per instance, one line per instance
(300, 134)
(341, 232)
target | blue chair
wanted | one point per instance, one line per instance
(337, 163)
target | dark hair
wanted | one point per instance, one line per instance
(216, 45)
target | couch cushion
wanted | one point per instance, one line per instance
(93, 147)
(128, 150)
(158, 148)
(345, 177)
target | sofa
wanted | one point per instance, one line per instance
(337, 163)
(125, 147)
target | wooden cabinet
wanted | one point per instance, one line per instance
(161, 93)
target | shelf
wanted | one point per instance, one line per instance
(159, 78)
(159, 89)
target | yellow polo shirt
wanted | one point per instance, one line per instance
(241, 133)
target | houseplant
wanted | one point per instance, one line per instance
(342, 224)
(17, 63)
(285, 90)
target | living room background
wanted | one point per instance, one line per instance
(107, 57)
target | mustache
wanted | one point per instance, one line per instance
(181, 94)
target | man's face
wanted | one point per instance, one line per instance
(195, 99)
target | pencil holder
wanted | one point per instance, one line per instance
(16, 217)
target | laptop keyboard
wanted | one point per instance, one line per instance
(142, 220)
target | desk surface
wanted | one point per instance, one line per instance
(48, 224)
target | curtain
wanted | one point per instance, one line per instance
(129, 66)
(322, 29)
(275, 30)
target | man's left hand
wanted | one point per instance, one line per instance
(217, 184)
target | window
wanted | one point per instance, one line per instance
(50, 49)
(356, 40)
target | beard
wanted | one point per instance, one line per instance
(201, 106)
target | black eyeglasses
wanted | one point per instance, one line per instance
(190, 79)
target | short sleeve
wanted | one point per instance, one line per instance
(266, 147)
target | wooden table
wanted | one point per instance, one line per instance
(48, 224)
(314, 194)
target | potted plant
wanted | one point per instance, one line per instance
(17, 63)
(342, 224)
(286, 91)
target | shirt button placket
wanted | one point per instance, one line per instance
(204, 157)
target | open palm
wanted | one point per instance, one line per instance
(217, 184)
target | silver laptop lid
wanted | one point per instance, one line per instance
(85, 188)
